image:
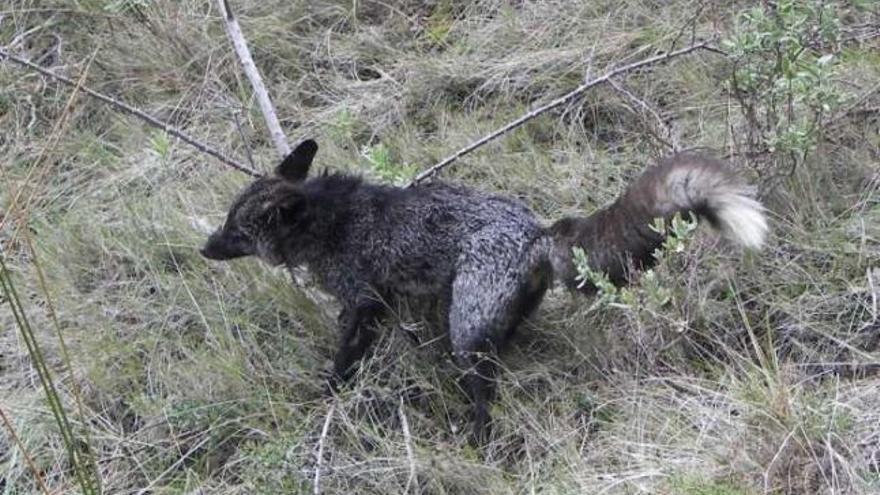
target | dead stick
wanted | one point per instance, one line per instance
(149, 119)
(555, 103)
(253, 74)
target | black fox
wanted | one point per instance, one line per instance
(484, 257)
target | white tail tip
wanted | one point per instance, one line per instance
(741, 219)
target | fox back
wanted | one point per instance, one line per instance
(356, 237)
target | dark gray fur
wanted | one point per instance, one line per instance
(484, 257)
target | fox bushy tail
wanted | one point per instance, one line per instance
(619, 237)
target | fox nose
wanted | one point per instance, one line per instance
(210, 249)
(213, 252)
(220, 247)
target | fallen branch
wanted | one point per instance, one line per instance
(253, 74)
(571, 95)
(130, 110)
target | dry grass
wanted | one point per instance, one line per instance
(759, 376)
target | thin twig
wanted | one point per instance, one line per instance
(130, 110)
(407, 442)
(571, 95)
(233, 29)
(690, 23)
(320, 455)
(27, 458)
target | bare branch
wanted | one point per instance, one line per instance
(253, 74)
(571, 95)
(130, 110)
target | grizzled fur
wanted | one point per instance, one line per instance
(484, 257)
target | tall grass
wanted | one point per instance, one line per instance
(81, 460)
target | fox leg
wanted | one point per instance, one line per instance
(479, 381)
(487, 305)
(358, 330)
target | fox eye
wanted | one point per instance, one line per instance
(237, 234)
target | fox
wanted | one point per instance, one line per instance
(485, 258)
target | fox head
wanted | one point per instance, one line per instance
(264, 211)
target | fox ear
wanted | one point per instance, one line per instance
(295, 167)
